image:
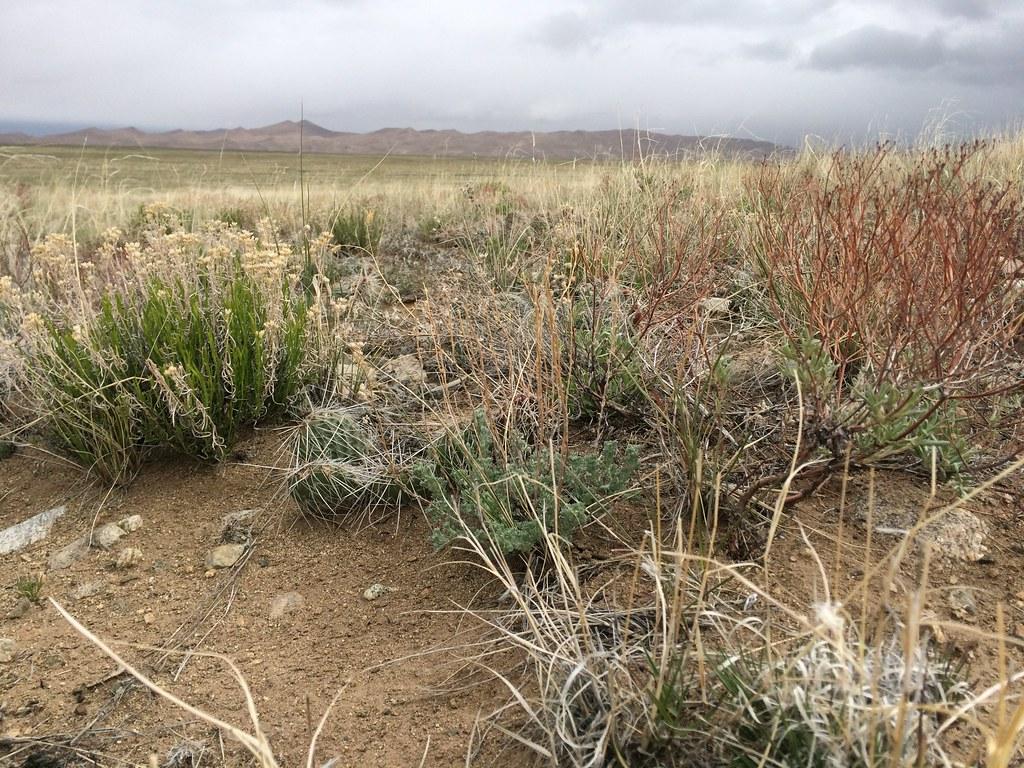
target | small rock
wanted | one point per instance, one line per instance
(1018, 632)
(81, 710)
(237, 527)
(715, 306)
(7, 650)
(149, 617)
(23, 606)
(128, 557)
(957, 535)
(87, 589)
(961, 603)
(405, 370)
(224, 556)
(35, 528)
(286, 603)
(263, 561)
(131, 523)
(69, 555)
(375, 591)
(107, 535)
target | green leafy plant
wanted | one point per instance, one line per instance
(917, 422)
(603, 364)
(503, 490)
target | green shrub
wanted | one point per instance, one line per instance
(181, 366)
(357, 228)
(511, 494)
(917, 422)
(603, 365)
(340, 466)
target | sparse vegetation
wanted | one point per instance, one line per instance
(31, 587)
(607, 388)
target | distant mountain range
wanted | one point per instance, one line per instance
(284, 137)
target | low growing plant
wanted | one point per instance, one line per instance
(512, 494)
(341, 466)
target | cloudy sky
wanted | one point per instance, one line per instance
(774, 69)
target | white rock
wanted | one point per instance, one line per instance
(286, 603)
(406, 370)
(35, 528)
(957, 535)
(375, 591)
(715, 306)
(224, 556)
(131, 523)
(7, 650)
(107, 535)
(128, 557)
(87, 589)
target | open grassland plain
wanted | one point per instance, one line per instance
(402, 461)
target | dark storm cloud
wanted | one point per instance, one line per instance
(989, 59)
(874, 47)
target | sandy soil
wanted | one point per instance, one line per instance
(386, 656)
(403, 701)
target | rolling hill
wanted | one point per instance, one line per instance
(284, 137)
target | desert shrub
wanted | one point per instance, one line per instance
(898, 272)
(887, 275)
(356, 228)
(341, 465)
(498, 488)
(604, 371)
(180, 365)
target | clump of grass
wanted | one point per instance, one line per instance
(671, 659)
(357, 228)
(180, 365)
(494, 486)
(342, 465)
(31, 587)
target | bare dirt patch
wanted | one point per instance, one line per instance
(386, 654)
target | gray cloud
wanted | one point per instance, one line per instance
(610, 20)
(990, 59)
(690, 66)
(770, 50)
(874, 47)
